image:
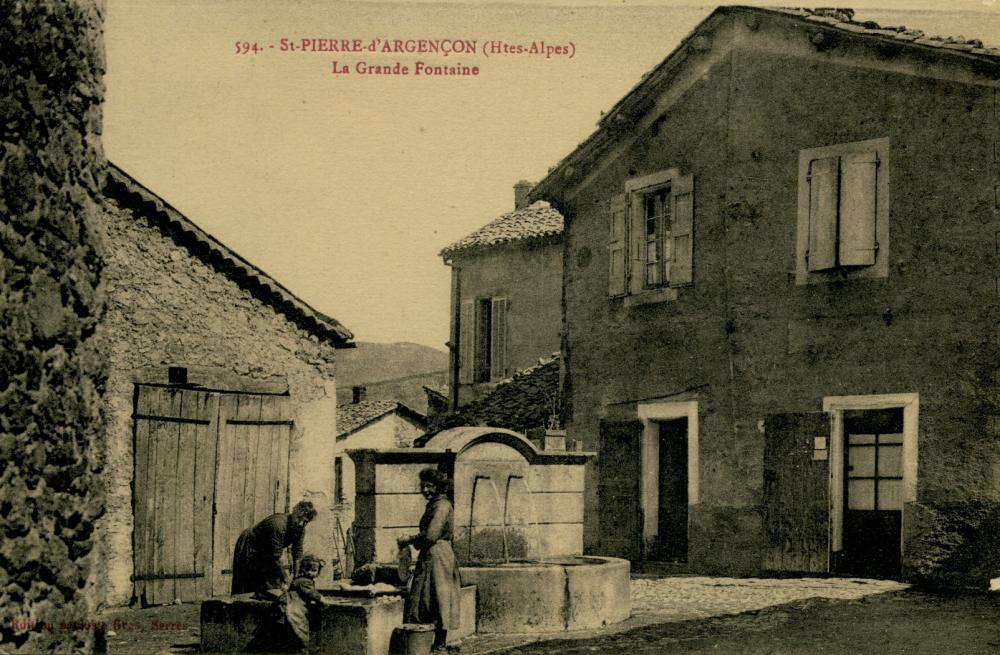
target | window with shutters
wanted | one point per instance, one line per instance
(483, 340)
(650, 246)
(843, 212)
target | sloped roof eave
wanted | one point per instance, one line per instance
(125, 189)
(549, 187)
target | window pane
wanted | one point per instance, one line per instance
(652, 275)
(860, 438)
(890, 461)
(890, 494)
(861, 461)
(861, 494)
(891, 438)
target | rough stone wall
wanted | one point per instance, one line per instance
(530, 277)
(744, 340)
(527, 400)
(51, 372)
(168, 308)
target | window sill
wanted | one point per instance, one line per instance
(805, 277)
(651, 297)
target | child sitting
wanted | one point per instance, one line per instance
(305, 582)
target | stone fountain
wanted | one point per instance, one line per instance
(518, 527)
(518, 538)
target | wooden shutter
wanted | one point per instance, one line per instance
(481, 337)
(858, 189)
(636, 231)
(617, 247)
(498, 339)
(796, 493)
(619, 479)
(466, 341)
(823, 184)
(682, 232)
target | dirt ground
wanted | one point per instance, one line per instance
(898, 622)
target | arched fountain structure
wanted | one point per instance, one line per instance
(518, 527)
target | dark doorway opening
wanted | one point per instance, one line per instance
(873, 493)
(671, 544)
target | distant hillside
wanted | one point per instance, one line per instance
(380, 366)
(374, 362)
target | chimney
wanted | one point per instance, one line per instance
(357, 394)
(521, 190)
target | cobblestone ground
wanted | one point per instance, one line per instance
(686, 598)
(695, 597)
(677, 604)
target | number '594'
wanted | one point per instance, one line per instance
(246, 47)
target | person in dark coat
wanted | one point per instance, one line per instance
(435, 585)
(257, 559)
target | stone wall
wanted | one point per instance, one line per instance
(744, 340)
(390, 431)
(168, 308)
(529, 276)
(51, 370)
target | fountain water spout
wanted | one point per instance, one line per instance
(501, 511)
(533, 518)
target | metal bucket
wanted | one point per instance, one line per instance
(412, 639)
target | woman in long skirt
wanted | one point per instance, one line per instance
(433, 596)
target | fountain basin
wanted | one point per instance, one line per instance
(570, 593)
(338, 625)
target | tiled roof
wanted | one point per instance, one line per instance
(844, 19)
(839, 19)
(437, 389)
(351, 417)
(538, 220)
(131, 194)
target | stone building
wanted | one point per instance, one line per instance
(368, 424)
(781, 300)
(221, 402)
(506, 285)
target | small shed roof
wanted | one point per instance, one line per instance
(351, 417)
(538, 220)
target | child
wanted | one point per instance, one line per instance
(287, 630)
(305, 582)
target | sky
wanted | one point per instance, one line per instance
(344, 187)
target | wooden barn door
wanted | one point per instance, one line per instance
(619, 462)
(174, 483)
(207, 465)
(796, 493)
(252, 480)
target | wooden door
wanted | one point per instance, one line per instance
(796, 493)
(252, 479)
(619, 463)
(873, 488)
(207, 466)
(174, 478)
(671, 543)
